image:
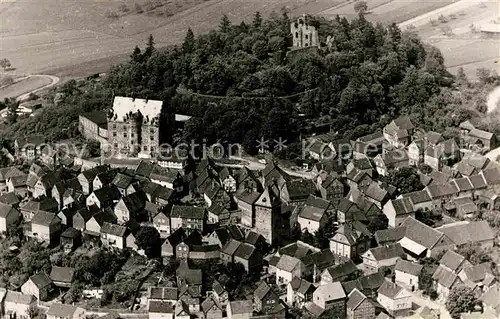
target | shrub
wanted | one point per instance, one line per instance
(124, 8)
(442, 19)
(138, 8)
(6, 80)
(112, 14)
(433, 22)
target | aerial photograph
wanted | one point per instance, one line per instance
(249, 159)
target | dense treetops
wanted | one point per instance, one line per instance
(241, 84)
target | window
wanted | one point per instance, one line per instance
(132, 134)
(152, 131)
(116, 145)
(125, 134)
(145, 148)
(307, 36)
(152, 138)
(132, 142)
(152, 149)
(296, 34)
(114, 134)
(114, 126)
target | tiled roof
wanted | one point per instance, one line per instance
(389, 289)
(113, 229)
(245, 251)
(387, 252)
(390, 235)
(241, 307)
(418, 197)
(463, 184)
(478, 181)
(262, 290)
(182, 211)
(331, 291)
(158, 306)
(421, 233)
(451, 260)
(491, 176)
(287, 263)
(5, 210)
(477, 273)
(471, 232)
(163, 293)
(375, 192)
(337, 272)
(444, 277)
(62, 274)
(9, 198)
(43, 218)
(408, 267)
(41, 280)
(231, 247)
(355, 298)
(402, 206)
(122, 180)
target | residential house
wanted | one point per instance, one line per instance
(82, 216)
(358, 306)
(287, 268)
(358, 179)
(385, 256)
(398, 210)
(421, 240)
(249, 257)
(420, 200)
(46, 227)
(245, 201)
(444, 281)
(103, 179)
(188, 217)
(368, 284)
(169, 246)
(181, 310)
(348, 211)
(129, 207)
(376, 194)
(478, 232)
(265, 299)
(330, 296)
(161, 221)
(124, 183)
(453, 262)
(9, 218)
(395, 299)
(71, 238)
(297, 190)
(479, 140)
(94, 224)
(227, 180)
(219, 293)
(350, 240)
(113, 235)
(416, 152)
(38, 285)
(340, 272)
(314, 214)
(211, 309)
(32, 207)
(389, 236)
(16, 304)
(86, 178)
(104, 197)
(299, 292)
(29, 147)
(228, 251)
(320, 151)
(391, 160)
(218, 214)
(62, 311)
(473, 276)
(239, 309)
(362, 164)
(491, 299)
(442, 154)
(246, 181)
(94, 126)
(331, 189)
(10, 199)
(18, 184)
(399, 132)
(62, 276)
(5, 174)
(376, 139)
(407, 274)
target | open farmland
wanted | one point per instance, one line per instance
(44, 36)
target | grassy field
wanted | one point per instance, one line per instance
(23, 86)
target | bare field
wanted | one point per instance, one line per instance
(23, 86)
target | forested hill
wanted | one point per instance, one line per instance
(370, 74)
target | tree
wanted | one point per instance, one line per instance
(360, 6)
(474, 253)
(225, 24)
(189, 42)
(148, 238)
(150, 47)
(484, 75)
(461, 299)
(136, 55)
(333, 313)
(257, 20)
(405, 179)
(5, 64)
(307, 237)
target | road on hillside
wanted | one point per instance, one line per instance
(53, 81)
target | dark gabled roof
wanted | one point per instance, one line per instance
(144, 168)
(105, 215)
(107, 193)
(389, 289)
(90, 174)
(262, 290)
(444, 277)
(355, 298)
(478, 181)
(163, 293)
(451, 260)
(8, 172)
(387, 252)
(433, 137)
(491, 176)
(113, 229)
(210, 303)
(5, 210)
(183, 211)
(321, 259)
(236, 232)
(41, 280)
(300, 188)
(471, 232)
(43, 218)
(376, 192)
(253, 238)
(408, 267)
(463, 184)
(222, 234)
(19, 181)
(298, 249)
(122, 180)
(245, 251)
(241, 307)
(442, 190)
(369, 282)
(341, 270)
(376, 138)
(421, 233)
(9, 198)
(217, 287)
(87, 212)
(402, 206)
(302, 286)
(97, 117)
(135, 201)
(244, 173)
(158, 306)
(390, 235)
(70, 232)
(418, 197)
(247, 197)
(176, 237)
(230, 247)
(62, 274)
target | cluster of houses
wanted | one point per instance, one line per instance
(208, 211)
